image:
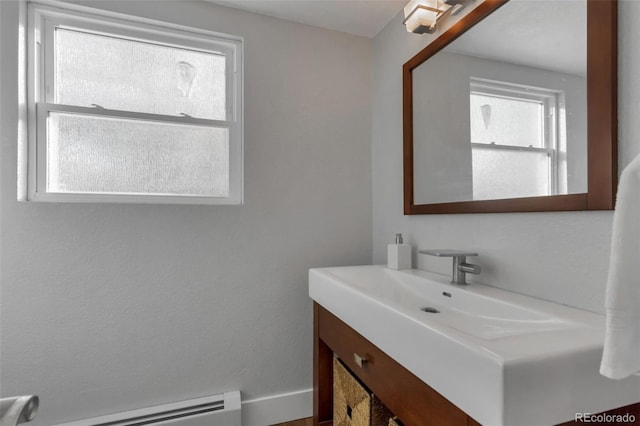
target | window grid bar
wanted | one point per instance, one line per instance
(109, 113)
(548, 151)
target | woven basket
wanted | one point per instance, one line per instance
(394, 422)
(353, 404)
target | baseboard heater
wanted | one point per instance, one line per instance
(215, 410)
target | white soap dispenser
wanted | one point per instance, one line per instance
(399, 254)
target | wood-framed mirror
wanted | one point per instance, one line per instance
(565, 179)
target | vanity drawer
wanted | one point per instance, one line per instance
(412, 400)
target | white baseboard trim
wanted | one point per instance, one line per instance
(277, 408)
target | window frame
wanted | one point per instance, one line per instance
(551, 137)
(42, 20)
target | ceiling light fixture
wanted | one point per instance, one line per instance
(422, 16)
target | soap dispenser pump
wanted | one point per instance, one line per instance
(399, 254)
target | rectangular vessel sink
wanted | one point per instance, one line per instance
(503, 358)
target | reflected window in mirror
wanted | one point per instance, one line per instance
(517, 132)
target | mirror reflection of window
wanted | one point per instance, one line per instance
(515, 140)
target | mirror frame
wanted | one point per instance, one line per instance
(602, 115)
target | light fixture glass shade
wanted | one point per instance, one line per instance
(417, 17)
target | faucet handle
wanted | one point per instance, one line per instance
(468, 268)
(447, 253)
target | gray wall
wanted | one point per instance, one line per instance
(555, 256)
(113, 307)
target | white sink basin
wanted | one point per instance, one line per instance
(503, 358)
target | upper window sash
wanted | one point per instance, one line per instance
(43, 21)
(548, 98)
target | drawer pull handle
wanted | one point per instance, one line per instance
(361, 361)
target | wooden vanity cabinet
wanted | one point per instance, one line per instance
(404, 394)
(414, 402)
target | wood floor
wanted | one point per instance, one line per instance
(302, 422)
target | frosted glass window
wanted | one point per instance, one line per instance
(514, 139)
(506, 121)
(131, 111)
(122, 74)
(509, 173)
(98, 155)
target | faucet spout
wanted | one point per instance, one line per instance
(460, 266)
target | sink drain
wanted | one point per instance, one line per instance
(429, 310)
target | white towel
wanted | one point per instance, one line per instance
(621, 356)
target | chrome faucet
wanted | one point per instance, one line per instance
(460, 266)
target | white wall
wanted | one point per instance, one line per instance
(114, 307)
(555, 256)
